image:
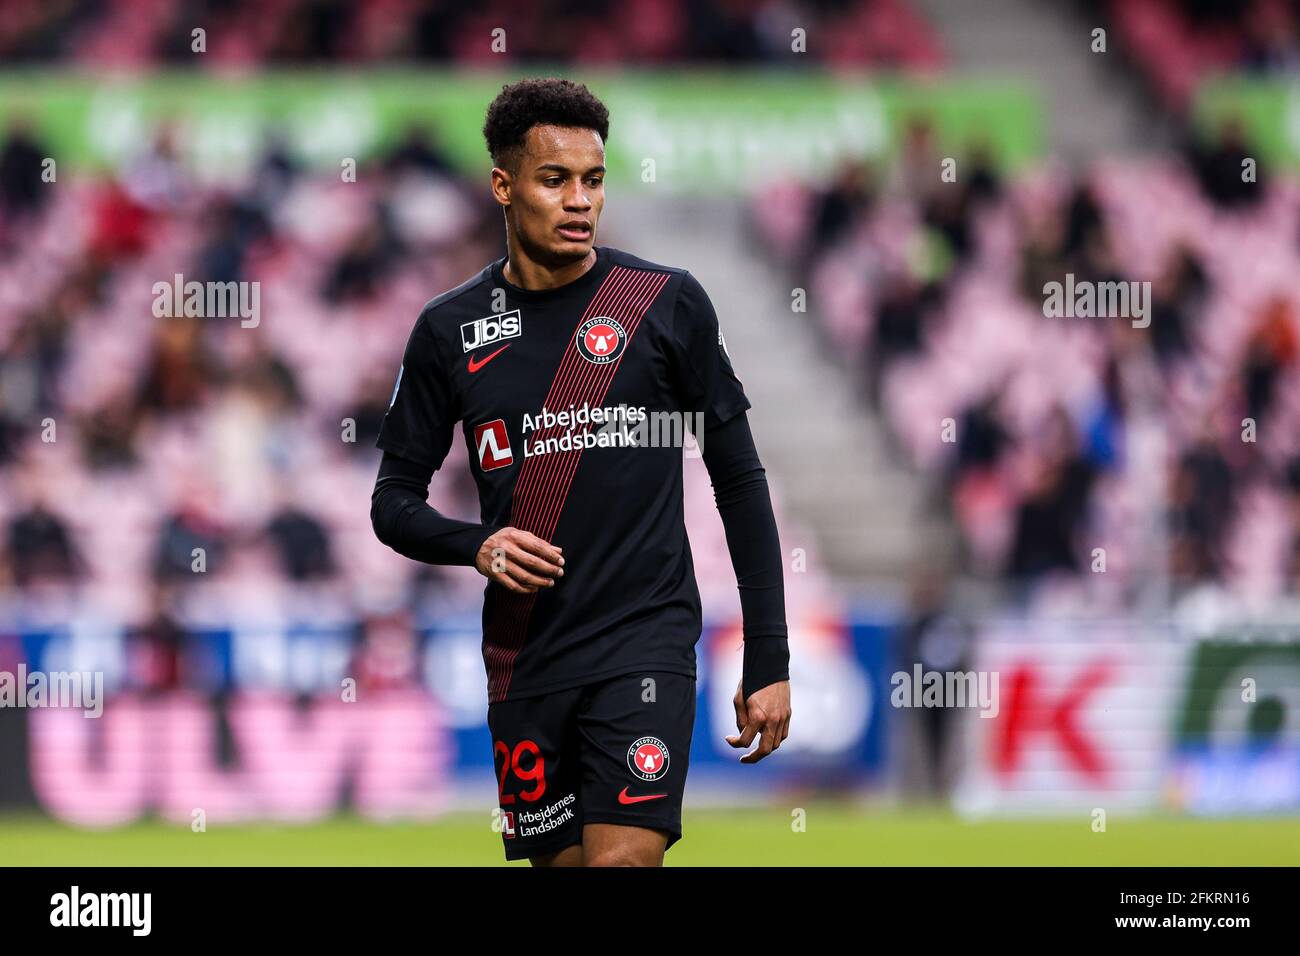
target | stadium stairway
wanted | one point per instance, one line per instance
(824, 453)
(1090, 100)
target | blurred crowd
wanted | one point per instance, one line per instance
(1067, 449)
(158, 468)
(138, 454)
(1095, 456)
(877, 33)
(1174, 44)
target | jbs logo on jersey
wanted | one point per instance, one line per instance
(600, 340)
(491, 328)
(493, 445)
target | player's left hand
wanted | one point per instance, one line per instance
(765, 715)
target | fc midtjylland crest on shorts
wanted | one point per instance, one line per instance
(611, 752)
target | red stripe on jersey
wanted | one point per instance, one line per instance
(542, 487)
(515, 609)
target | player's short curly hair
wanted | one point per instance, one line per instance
(548, 101)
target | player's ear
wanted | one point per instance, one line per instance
(502, 185)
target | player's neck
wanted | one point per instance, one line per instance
(523, 272)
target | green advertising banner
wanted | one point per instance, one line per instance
(687, 131)
(1242, 692)
(1237, 738)
(1268, 110)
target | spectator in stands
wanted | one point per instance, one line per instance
(315, 31)
(1221, 170)
(1104, 420)
(369, 258)
(22, 191)
(1054, 507)
(1097, 262)
(386, 652)
(270, 380)
(1042, 254)
(1177, 298)
(1269, 41)
(1201, 510)
(949, 207)
(418, 151)
(157, 646)
(120, 227)
(1292, 584)
(1291, 486)
(844, 204)
(157, 179)
(40, 548)
(1270, 351)
(231, 225)
(33, 359)
(913, 173)
(900, 325)
(983, 181)
(369, 411)
(723, 31)
(302, 544)
(877, 33)
(429, 36)
(108, 433)
(981, 438)
(948, 213)
(974, 475)
(940, 641)
(11, 434)
(1291, 482)
(190, 538)
(180, 369)
(1083, 222)
(276, 171)
(1212, 14)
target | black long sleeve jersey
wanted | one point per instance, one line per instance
(574, 403)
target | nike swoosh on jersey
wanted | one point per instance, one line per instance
(474, 366)
(624, 798)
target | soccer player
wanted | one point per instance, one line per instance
(568, 363)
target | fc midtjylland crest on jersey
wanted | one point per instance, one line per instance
(601, 340)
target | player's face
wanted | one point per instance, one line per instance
(557, 197)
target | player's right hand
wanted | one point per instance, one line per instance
(519, 561)
(765, 714)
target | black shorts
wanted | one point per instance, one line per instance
(615, 751)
